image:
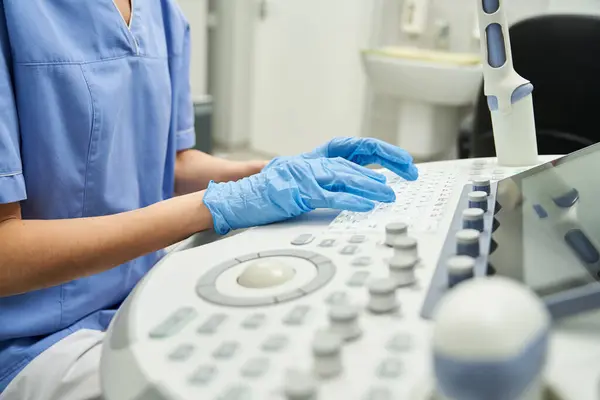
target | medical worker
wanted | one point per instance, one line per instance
(98, 174)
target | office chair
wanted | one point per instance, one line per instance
(560, 55)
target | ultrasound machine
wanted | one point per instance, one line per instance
(480, 282)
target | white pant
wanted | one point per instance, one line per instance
(69, 370)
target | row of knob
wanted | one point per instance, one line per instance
(461, 267)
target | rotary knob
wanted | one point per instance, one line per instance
(478, 200)
(394, 231)
(460, 269)
(473, 219)
(406, 246)
(482, 185)
(467, 243)
(300, 386)
(382, 296)
(402, 270)
(327, 353)
(344, 322)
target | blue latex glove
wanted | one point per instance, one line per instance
(292, 188)
(363, 151)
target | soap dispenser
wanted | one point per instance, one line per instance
(414, 16)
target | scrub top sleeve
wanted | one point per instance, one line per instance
(12, 183)
(186, 134)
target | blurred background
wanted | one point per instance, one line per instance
(278, 77)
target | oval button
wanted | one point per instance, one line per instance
(585, 249)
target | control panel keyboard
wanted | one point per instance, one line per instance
(424, 203)
(421, 205)
(323, 310)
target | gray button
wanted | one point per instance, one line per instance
(211, 325)
(358, 279)
(254, 321)
(182, 352)
(336, 298)
(399, 343)
(255, 367)
(389, 368)
(378, 394)
(303, 239)
(275, 343)
(151, 391)
(357, 239)
(238, 392)
(327, 243)
(349, 250)
(296, 316)
(226, 350)
(174, 323)
(362, 261)
(203, 375)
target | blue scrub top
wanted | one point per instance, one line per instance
(92, 113)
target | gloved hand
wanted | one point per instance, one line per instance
(363, 151)
(288, 189)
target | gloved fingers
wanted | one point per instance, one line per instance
(350, 166)
(277, 161)
(397, 160)
(366, 151)
(406, 171)
(359, 185)
(342, 201)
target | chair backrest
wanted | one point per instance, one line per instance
(560, 55)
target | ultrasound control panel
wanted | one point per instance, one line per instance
(329, 305)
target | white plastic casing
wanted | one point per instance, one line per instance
(515, 134)
(513, 124)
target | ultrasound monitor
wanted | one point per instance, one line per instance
(548, 231)
(541, 228)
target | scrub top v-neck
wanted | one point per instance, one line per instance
(92, 113)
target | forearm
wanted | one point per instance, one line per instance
(36, 254)
(195, 169)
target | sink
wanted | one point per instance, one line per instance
(433, 89)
